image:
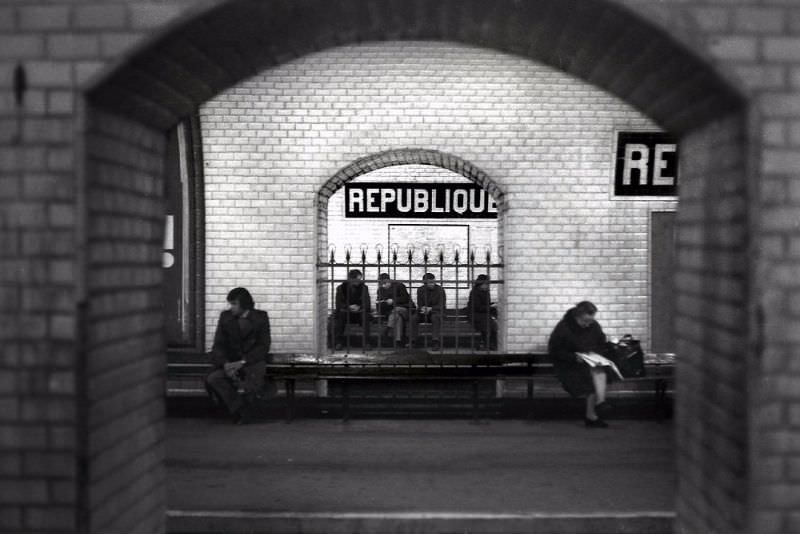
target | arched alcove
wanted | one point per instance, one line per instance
(596, 40)
(384, 160)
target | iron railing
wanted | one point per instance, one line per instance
(465, 328)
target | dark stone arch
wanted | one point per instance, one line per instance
(598, 41)
(595, 40)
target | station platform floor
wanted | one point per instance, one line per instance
(419, 475)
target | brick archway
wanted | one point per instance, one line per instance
(406, 156)
(595, 40)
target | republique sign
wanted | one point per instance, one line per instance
(418, 200)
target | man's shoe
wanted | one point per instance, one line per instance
(597, 423)
(243, 416)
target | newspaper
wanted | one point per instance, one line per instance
(595, 360)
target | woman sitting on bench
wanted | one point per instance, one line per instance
(579, 332)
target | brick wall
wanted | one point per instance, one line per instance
(712, 288)
(61, 456)
(125, 361)
(755, 44)
(544, 138)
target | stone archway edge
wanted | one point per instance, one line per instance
(411, 156)
(240, 38)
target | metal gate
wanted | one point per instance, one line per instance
(467, 324)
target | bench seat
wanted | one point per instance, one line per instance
(456, 331)
(348, 371)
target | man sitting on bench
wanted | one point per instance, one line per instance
(239, 354)
(394, 303)
(482, 312)
(431, 302)
(352, 307)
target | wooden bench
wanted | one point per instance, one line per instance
(384, 369)
(457, 331)
(473, 368)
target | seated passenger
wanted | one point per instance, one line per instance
(482, 312)
(431, 302)
(239, 355)
(394, 304)
(352, 307)
(578, 331)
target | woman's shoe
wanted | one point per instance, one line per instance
(597, 423)
(604, 408)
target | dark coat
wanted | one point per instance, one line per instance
(479, 303)
(567, 338)
(347, 294)
(247, 339)
(435, 297)
(399, 295)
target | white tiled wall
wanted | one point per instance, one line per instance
(546, 139)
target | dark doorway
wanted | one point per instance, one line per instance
(662, 291)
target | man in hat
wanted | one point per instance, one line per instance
(394, 303)
(482, 312)
(239, 355)
(431, 302)
(352, 307)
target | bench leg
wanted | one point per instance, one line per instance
(345, 401)
(529, 397)
(475, 403)
(290, 388)
(321, 386)
(661, 399)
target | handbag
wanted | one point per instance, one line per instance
(628, 356)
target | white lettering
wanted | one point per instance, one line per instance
(476, 200)
(355, 204)
(387, 196)
(632, 164)
(434, 207)
(404, 201)
(420, 200)
(460, 201)
(372, 200)
(659, 164)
